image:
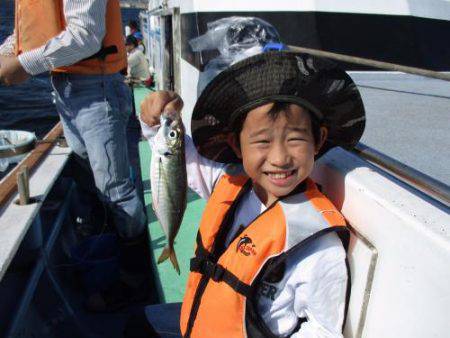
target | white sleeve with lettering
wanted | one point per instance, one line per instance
(313, 287)
(321, 294)
(202, 174)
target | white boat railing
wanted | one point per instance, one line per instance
(426, 184)
(437, 190)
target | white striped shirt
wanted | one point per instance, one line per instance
(83, 36)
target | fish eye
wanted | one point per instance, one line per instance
(173, 134)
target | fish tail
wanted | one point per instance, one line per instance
(164, 255)
(169, 253)
(174, 260)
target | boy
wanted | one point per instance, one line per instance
(268, 261)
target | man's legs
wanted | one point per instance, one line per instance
(102, 122)
(89, 211)
(95, 112)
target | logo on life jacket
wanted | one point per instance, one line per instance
(246, 246)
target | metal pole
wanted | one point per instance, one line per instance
(373, 63)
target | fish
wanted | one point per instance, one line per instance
(168, 180)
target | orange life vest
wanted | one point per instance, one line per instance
(37, 21)
(222, 280)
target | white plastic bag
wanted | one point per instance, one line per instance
(235, 38)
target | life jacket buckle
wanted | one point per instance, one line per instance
(219, 271)
(213, 270)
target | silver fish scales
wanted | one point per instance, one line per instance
(168, 181)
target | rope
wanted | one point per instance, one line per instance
(373, 63)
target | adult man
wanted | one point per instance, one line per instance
(82, 46)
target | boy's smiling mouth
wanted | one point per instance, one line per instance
(280, 178)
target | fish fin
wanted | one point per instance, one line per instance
(168, 253)
(164, 255)
(174, 260)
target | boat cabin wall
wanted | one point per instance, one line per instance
(437, 10)
(364, 31)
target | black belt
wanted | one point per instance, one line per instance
(103, 52)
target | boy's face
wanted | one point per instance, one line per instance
(277, 154)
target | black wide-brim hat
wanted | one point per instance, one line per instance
(316, 84)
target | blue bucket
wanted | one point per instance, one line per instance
(97, 259)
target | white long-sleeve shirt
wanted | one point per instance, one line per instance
(83, 36)
(138, 65)
(315, 279)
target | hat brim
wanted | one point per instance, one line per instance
(314, 83)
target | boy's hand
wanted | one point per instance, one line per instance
(156, 103)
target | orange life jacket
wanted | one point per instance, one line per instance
(38, 21)
(222, 280)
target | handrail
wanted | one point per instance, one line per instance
(435, 189)
(8, 184)
(373, 63)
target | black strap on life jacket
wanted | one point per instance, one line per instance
(205, 262)
(219, 274)
(103, 53)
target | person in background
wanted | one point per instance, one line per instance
(137, 63)
(83, 48)
(134, 31)
(133, 26)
